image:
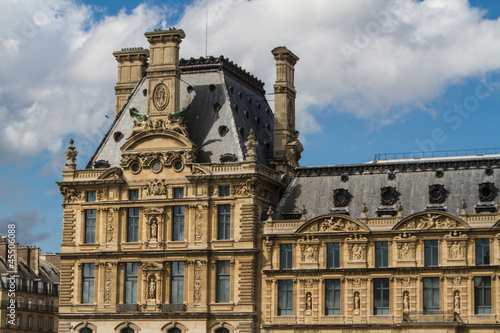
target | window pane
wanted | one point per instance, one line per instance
(380, 296)
(431, 253)
(224, 191)
(482, 295)
(177, 283)
(381, 254)
(133, 194)
(90, 225)
(332, 297)
(332, 256)
(88, 283)
(286, 256)
(482, 251)
(223, 222)
(431, 294)
(178, 192)
(178, 225)
(133, 225)
(285, 298)
(223, 281)
(131, 283)
(91, 196)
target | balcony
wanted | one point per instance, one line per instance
(31, 307)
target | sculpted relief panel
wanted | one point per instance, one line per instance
(428, 221)
(334, 224)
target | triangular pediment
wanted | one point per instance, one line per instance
(431, 220)
(333, 223)
(113, 173)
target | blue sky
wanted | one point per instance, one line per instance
(374, 76)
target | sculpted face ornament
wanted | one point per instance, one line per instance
(161, 96)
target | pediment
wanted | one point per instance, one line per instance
(333, 223)
(497, 224)
(113, 173)
(155, 141)
(431, 220)
(197, 170)
(153, 211)
(152, 266)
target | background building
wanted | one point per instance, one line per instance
(184, 219)
(37, 290)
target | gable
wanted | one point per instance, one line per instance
(431, 220)
(333, 223)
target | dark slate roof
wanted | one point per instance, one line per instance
(47, 273)
(225, 96)
(314, 187)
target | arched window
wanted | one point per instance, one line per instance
(127, 330)
(222, 330)
(174, 330)
(86, 330)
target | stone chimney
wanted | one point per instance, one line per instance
(4, 251)
(31, 256)
(287, 147)
(54, 259)
(131, 65)
(163, 72)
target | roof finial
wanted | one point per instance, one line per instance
(251, 145)
(71, 156)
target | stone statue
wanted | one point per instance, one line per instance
(357, 301)
(152, 289)
(308, 301)
(309, 253)
(153, 229)
(406, 302)
(456, 302)
(357, 252)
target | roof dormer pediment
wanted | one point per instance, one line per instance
(333, 223)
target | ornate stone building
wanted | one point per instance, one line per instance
(184, 219)
(33, 304)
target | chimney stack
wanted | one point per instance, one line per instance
(131, 65)
(287, 147)
(163, 72)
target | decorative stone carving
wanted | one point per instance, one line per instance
(71, 154)
(308, 303)
(431, 221)
(152, 287)
(388, 195)
(309, 251)
(161, 96)
(456, 244)
(156, 187)
(198, 223)
(456, 302)
(165, 157)
(437, 194)
(70, 195)
(341, 197)
(197, 281)
(406, 302)
(251, 144)
(245, 188)
(487, 191)
(406, 245)
(357, 301)
(109, 225)
(356, 245)
(108, 283)
(338, 224)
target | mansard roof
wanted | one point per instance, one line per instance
(227, 103)
(459, 185)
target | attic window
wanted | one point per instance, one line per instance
(240, 94)
(258, 106)
(231, 89)
(145, 92)
(190, 89)
(228, 158)
(246, 114)
(268, 146)
(257, 120)
(101, 164)
(211, 87)
(223, 130)
(249, 100)
(268, 126)
(216, 107)
(235, 108)
(118, 136)
(242, 132)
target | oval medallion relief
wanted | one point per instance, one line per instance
(161, 96)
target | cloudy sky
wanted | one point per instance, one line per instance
(374, 76)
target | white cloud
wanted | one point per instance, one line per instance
(377, 59)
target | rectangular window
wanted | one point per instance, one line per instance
(482, 295)
(40, 323)
(133, 194)
(332, 297)
(30, 322)
(88, 272)
(333, 255)
(431, 252)
(285, 298)
(133, 225)
(381, 254)
(30, 303)
(177, 283)
(482, 251)
(90, 225)
(131, 283)
(178, 224)
(91, 196)
(224, 191)
(286, 256)
(179, 192)
(223, 281)
(431, 294)
(380, 296)
(51, 323)
(19, 321)
(224, 222)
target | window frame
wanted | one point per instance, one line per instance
(431, 253)
(482, 245)
(381, 254)
(224, 191)
(224, 222)
(178, 223)
(88, 283)
(223, 281)
(133, 194)
(130, 285)
(333, 297)
(91, 196)
(286, 256)
(285, 298)
(133, 214)
(178, 192)
(177, 282)
(381, 286)
(333, 255)
(90, 216)
(482, 295)
(429, 304)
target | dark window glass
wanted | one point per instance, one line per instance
(431, 252)
(333, 255)
(178, 224)
(286, 256)
(285, 298)
(222, 330)
(431, 294)
(177, 283)
(86, 330)
(223, 281)
(380, 296)
(482, 295)
(133, 194)
(224, 222)
(127, 330)
(482, 251)
(381, 254)
(133, 225)
(90, 225)
(88, 283)
(91, 196)
(131, 283)
(224, 191)
(174, 330)
(178, 192)
(332, 297)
